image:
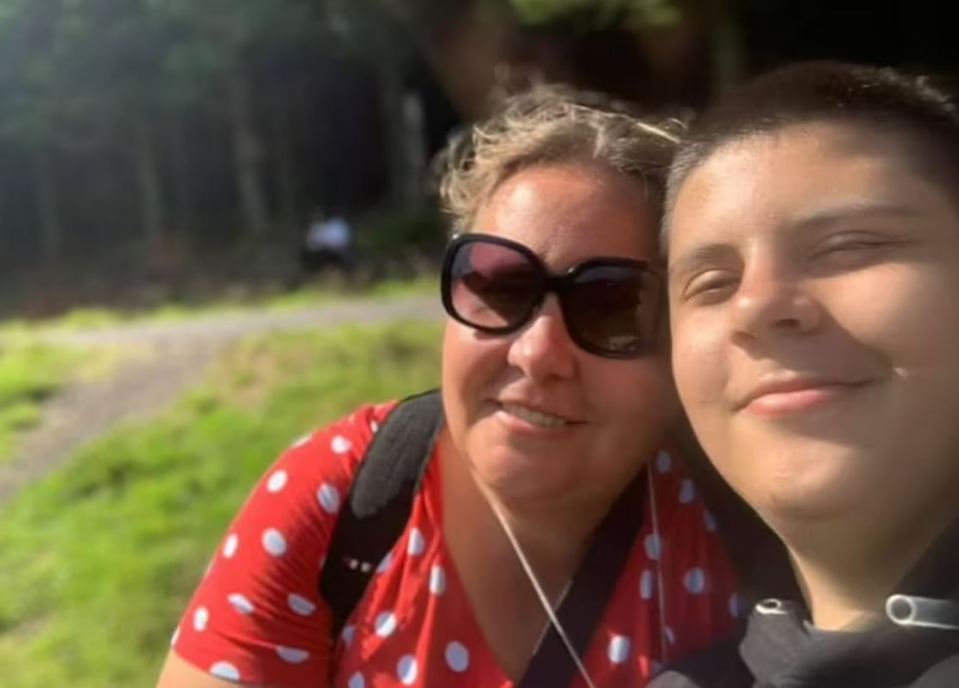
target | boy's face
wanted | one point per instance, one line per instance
(814, 297)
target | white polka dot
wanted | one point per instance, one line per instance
(300, 604)
(664, 462)
(277, 481)
(416, 544)
(241, 603)
(302, 441)
(201, 617)
(654, 546)
(225, 670)
(385, 624)
(375, 427)
(457, 657)
(618, 649)
(385, 564)
(710, 521)
(176, 636)
(695, 580)
(437, 580)
(356, 681)
(670, 636)
(329, 498)
(735, 606)
(274, 542)
(647, 584)
(406, 670)
(231, 545)
(687, 492)
(348, 633)
(340, 445)
(292, 655)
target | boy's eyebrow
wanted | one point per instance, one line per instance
(713, 252)
(706, 253)
(851, 210)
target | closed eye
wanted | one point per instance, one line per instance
(711, 286)
(850, 251)
(853, 245)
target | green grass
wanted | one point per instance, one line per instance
(29, 373)
(97, 562)
(338, 290)
(327, 291)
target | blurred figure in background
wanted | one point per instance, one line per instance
(328, 243)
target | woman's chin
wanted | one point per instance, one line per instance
(515, 477)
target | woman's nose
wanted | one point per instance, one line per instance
(543, 348)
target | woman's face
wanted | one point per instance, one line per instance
(538, 418)
(814, 296)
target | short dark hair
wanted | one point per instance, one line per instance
(824, 91)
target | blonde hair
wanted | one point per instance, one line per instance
(553, 125)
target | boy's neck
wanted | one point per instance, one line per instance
(847, 571)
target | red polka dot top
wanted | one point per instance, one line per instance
(256, 617)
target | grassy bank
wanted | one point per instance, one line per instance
(29, 374)
(327, 291)
(97, 561)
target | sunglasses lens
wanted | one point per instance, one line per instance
(612, 309)
(491, 287)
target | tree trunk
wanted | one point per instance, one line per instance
(48, 215)
(392, 118)
(185, 204)
(414, 151)
(148, 179)
(728, 53)
(246, 153)
(284, 154)
(462, 52)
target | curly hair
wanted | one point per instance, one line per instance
(553, 125)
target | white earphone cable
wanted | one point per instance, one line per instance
(541, 594)
(660, 596)
(548, 607)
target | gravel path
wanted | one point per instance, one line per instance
(165, 360)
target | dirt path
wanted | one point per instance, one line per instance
(164, 361)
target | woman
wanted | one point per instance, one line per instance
(814, 270)
(557, 396)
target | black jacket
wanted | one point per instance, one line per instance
(917, 645)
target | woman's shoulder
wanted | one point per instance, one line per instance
(306, 486)
(262, 584)
(341, 444)
(318, 468)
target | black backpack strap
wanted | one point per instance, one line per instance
(378, 507)
(590, 592)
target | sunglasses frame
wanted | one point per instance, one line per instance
(556, 283)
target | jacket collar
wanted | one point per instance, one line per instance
(780, 646)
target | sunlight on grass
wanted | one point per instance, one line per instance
(29, 374)
(97, 562)
(333, 289)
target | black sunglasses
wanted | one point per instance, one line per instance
(611, 306)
